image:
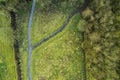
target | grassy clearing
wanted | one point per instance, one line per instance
(7, 61)
(59, 58)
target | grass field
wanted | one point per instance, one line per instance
(7, 61)
(60, 57)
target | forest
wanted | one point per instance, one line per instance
(59, 39)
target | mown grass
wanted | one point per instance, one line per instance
(7, 61)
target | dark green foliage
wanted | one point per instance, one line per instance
(101, 39)
(116, 34)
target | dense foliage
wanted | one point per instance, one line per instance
(102, 39)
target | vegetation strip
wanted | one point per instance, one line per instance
(16, 45)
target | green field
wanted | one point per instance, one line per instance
(7, 61)
(95, 33)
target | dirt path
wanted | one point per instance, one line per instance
(74, 12)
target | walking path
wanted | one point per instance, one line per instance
(30, 47)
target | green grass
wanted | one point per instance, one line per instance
(7, 61)
(60, 57)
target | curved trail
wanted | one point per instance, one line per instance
(30, 47)
(78, 10)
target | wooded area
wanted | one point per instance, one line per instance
(83, 46)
